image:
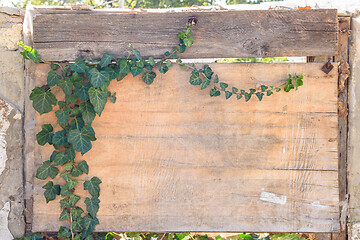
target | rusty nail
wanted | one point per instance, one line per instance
(327, 67)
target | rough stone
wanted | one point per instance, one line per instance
(10, 36)
(4, 230)
(354, 129)
(12, 78)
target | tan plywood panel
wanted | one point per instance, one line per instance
(172, 158)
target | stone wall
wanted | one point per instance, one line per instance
(11, 124)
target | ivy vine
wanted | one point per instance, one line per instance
(85, 85)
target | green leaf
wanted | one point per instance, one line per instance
(188, 41)
(151, 61)
(89, 225)
(79, 66)
(69, 166)
(208, 71)
(92, 205)
(238, 96)
(180, 48)
(61, 158)
(214, 92)
(66, 85)
(263, 88)
(70, 152)
(169, 63)
(247, 96)
(288, 87)
(81, 143)
(65, 191)
(298, 81)
(93, 186)
(53, 78)
(216, 79)
(64, 203)
(77, 123)
(87, 112)
(98, 99)
(83, 166)
(136, 70)
(205, 83)
(113, 98)
(65, 215)
(228, 94)
(76, 172)
(66, 176)
(259, 95)
(136, 52)
(60, 139)
(181, 35)
(278, 89)
(234, 90)
(163, 69)
(74, 199)
(124, 66)
(54, 66)
(42, 100)
(63, 118)
(148, 77)
(98, 78)
(195, 79)
(64, 232)
(106, 60)
(77, 79)
(223, 85)
(45, 135)
(181, 236)
(51, 191)
(46, 170)
(78, 224)
(269, 92)
(82, 91)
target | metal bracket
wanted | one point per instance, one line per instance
(327, 67)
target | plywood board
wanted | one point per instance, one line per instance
(172, 158)
(61, 35)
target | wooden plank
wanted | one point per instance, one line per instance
(172, 158)
(259, 33)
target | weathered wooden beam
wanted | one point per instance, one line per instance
(63, 35)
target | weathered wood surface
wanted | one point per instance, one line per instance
(172, 158)
(61, 35)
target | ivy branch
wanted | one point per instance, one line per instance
(85, 85)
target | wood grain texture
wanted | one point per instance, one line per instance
(172, 158)
(65, 35)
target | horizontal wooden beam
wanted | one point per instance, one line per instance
(63, 35)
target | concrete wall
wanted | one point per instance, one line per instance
(11, 124)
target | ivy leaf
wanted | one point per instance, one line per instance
(63, 117)
(98, 99)
(216, 79)
(74, 199)
(66, 176)
(167, 54)
(180, 48)
(79, 66)
(188, 41)
(98, 78)
(148, 77)
(65, 191)
(234, 90)
(77, 79)
(195, 79)
(181, 35)
(278, 89)
(151, 61)
(45, 135)
(61, 158)
(93, 186)
(208, 71)
(65, 215)
(51, 191)
(163, 69)
(247, 96)
(82, 91)
(205, 83)
(136, 52)
(83, 166)
(121, 76)
(77, 123)
(69, 166)
(59, 138)
(64, 203)
(53, 78)
(298, 81)
(88, 132)
(268, 93)
(263, 88)
(80, 141)
(214, 92)
(89, 225)
(66, 85)
(78, 224)
(76, 172)
(228, 94)
(238, 96)
(169, 63)
(92, 205)
(123, 66)
(259, 95)
(87, 112)
(106, 60)
(46, 170)
(42, 100)
(64, 232)
(223, 85)
(70, 152)
(136, 70)
(113, 98)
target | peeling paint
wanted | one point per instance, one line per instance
(273, 198)
(5, 110)
(4, 223)
(355, 231)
